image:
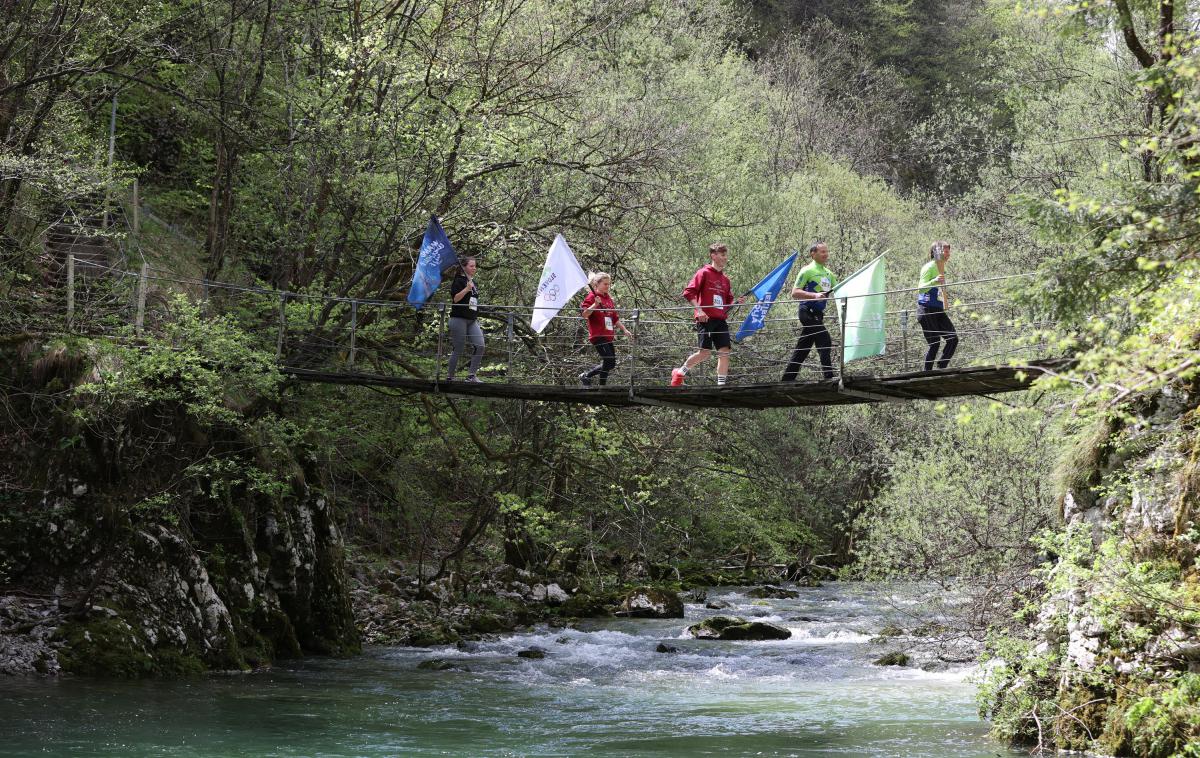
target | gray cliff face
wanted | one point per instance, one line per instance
(1139, 499)
(154, 599)
(117, 558)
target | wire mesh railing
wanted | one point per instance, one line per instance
(353, 336)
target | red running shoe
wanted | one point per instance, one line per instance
(677, 376)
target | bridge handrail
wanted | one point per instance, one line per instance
(292, 295)
(311, 330)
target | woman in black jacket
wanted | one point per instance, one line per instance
(464, 326)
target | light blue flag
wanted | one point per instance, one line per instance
(436, 256)
(766, 292)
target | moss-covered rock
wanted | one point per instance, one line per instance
(109, 646)
(733, 628)
(894, 658)
(772, 591)
(589, 604)
(441, 664)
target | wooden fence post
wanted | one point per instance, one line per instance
(141, 299)
(437, 371)
(842, 313)
(509, 337)
(282, 325)
(137, 211)
(70, 287)
(353, 330)
(633, 348)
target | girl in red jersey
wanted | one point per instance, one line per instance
(602, 320)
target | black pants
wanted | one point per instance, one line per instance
(608, 359)
(812, 332)
(938, 328)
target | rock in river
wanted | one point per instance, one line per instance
(648, 602)
(772, 591)
(732, 628)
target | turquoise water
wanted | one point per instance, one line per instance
(602, 690)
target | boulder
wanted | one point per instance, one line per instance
(665, 648)
(732, 628)
(894, 658)
(441, 664)
(716, 605)
(648, 602)
(586, 604)
(556, 595)
(773, 591)
(533, 653)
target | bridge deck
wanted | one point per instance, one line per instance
(923, 385)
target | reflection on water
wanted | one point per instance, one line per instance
(601, 690)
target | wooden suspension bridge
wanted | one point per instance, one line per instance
(351, 341)
(932, 385)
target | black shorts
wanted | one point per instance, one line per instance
(714, 334)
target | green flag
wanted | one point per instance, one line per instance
(864, 306)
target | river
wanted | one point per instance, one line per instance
(601, 690)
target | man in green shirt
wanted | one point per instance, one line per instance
(931, 308)
(813, 284)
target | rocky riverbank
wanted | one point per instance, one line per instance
(151, 535)
(391, 607)
(1108, 660)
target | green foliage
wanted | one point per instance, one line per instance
(207, 366)
(1017, 687)
(1167, 722)
(936, 520)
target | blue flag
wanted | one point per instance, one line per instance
(766, 292)
(436, 256)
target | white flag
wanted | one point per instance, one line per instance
(562, 277)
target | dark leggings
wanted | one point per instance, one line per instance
(937, 327)
(812, 333)
(608, 360)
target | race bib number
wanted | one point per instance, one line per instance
(718, 301)
(473, 304)
(608, 325)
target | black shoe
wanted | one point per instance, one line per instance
(585, 380)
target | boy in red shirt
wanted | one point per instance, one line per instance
(601, 314)
(710, 292)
